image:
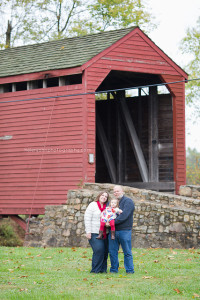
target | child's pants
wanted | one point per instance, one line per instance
(112, 225)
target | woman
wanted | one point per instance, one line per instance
(92, 225)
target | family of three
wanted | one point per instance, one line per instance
(99, 219)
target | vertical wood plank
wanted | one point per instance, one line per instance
(44, 83)
(120, 147)
(140, 116)
(13, 87)
(153, 135)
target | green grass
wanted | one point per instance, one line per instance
(64, 273)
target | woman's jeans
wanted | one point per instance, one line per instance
(123, 238)
(100, 254)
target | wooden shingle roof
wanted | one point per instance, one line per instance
(59, 54)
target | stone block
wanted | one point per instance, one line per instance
(78, 201)
(58, 221)
(52, 213)
(83, 207)
(66, 232)
(134, 190)
(63, 225)
(85, 201)
(52, 242)
(177, 227)
(185, 191)
(78, 231)
(186, 218)
(166, 229)
(150, 230)
(80, 225)
(142, 228)
(77, 206)
(87, 194)
(77, 214)
(48, 231)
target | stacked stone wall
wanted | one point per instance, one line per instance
(160, 220)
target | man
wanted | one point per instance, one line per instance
(123, 228)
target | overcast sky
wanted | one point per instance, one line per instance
(174, 17)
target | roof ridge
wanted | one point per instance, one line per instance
(71, 38)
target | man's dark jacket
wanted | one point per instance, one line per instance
(125, 220)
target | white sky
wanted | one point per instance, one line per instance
(174, 17)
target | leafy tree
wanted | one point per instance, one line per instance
(27, 21)
(193, 166)
(191, 45)
(120, 14)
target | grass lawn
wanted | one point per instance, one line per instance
(64, 273)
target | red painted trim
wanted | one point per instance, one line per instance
(147, 40)
(161, 53)
(19, 221)
(104, 52)
(85, 133)
(179, 156)
(40, 75)
(174, 141)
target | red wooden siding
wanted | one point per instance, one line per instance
(178, 91)
(137, 53)
(31, 178)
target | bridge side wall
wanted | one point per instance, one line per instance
(160, 220)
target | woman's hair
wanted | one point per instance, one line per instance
(97, 198)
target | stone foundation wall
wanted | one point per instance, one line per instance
(160, 220)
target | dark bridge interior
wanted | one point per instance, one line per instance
(134, 133)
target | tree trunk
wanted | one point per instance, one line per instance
(8, 34)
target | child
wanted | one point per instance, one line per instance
(108, 215)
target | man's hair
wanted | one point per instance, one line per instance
(120, 187)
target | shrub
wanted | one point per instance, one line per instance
(8, 236)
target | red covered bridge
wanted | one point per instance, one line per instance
(54, 135)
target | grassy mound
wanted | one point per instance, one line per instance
(11, 234)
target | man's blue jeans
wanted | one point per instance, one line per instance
(100, 254)
(123, 238)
